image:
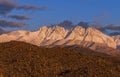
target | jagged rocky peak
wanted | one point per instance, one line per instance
(78, 28)
(90, 34)
(53, 34)
(59, 29)
(43, 28)
(95, 35)
(76, 33)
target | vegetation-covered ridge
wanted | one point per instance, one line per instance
(19, 59)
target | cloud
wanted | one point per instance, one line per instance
(32, 7)
(3, 31)
(100, 27)
(66, 24)
(114, 33)
(101, 19)
(83, 24)
(115, 30)
(113, 27)
(106, 15)
(5, 23)
(7, 6)
(20, 17)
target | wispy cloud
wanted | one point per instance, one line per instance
(20, 17)
(7, 6)
(5, 23)
(113, 27)
(32, 7)
(106, 15)
(100, 19)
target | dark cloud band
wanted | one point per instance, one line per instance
(5, 23)
(20, 17)
(7, 6)
(113, 27)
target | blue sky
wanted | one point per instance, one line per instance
(102, 12)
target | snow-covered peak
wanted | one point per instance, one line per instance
(58, 35)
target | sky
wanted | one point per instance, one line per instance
(32, 14)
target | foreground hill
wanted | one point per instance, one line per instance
(19, 59)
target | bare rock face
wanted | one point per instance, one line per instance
(57, 35)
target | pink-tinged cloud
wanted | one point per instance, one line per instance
(100, 19)
(106, 15)
(113, 27)
(32, 7)
(5, 23)
(7, 6)
(20, 17)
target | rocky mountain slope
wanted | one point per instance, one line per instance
(19, 59)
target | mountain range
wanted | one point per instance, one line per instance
(52, 36)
